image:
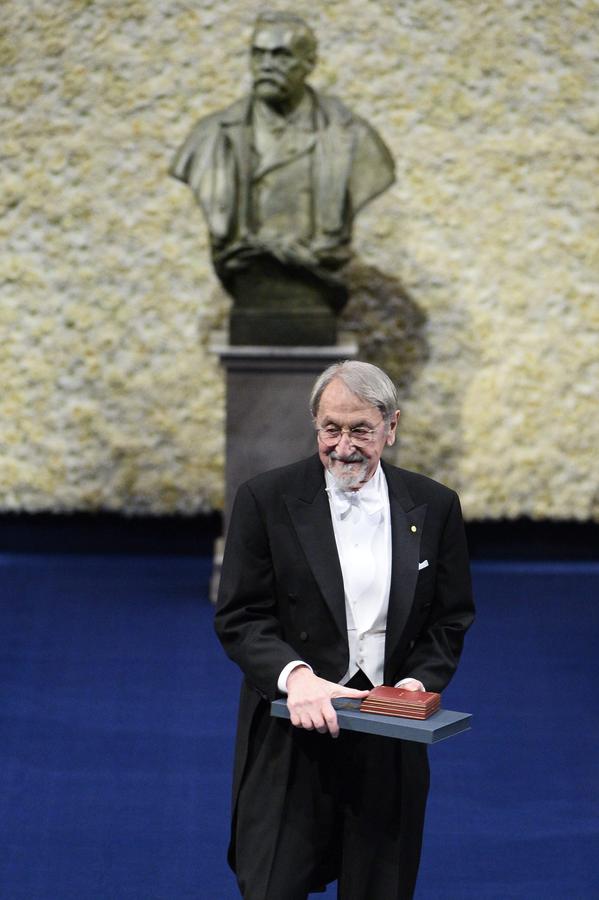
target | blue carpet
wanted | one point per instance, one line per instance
(514, 809)
(117, 713)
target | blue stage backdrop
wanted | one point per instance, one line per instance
(118, 713)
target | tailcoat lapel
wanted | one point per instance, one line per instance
(309, 510)
(407, 521)
(311, 516)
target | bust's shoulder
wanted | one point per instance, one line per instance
(205, 134)
(232, 114)
(335, 109)
(336, 114)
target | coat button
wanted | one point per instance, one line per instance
(303, 635)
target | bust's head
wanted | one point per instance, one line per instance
(282, 56)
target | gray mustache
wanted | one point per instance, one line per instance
(353, 457)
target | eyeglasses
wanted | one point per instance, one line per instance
(359, 435)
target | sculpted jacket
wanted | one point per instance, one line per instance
(351, 166)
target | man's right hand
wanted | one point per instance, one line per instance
(309, 701)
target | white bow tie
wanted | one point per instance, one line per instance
(343, 501)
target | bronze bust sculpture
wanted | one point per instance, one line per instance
(280, 175)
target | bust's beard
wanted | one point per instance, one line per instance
(350, 474)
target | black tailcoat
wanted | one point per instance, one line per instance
(281, 598)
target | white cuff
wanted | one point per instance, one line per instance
(282, 682)
(403, 681)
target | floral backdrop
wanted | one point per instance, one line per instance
(475, 278)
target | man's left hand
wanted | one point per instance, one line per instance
(410, 684)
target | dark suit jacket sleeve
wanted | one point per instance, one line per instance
(436, 650)
(246, 612)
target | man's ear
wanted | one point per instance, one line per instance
(392, 432)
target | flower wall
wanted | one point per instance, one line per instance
(475, 275)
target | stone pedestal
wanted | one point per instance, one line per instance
(268, 421)
(293, 306)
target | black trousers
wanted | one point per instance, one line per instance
(346, 818)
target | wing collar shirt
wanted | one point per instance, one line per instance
(362, 527)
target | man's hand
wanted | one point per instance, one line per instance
(309, 701)
(410, 684)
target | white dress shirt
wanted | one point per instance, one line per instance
(362, 527)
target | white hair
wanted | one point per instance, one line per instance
(366, 381)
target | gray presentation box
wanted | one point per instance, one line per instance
(441, 725)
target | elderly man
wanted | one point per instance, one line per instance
(340, 572)
(281, 173)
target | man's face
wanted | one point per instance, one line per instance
(351, 465)
(279, 66)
